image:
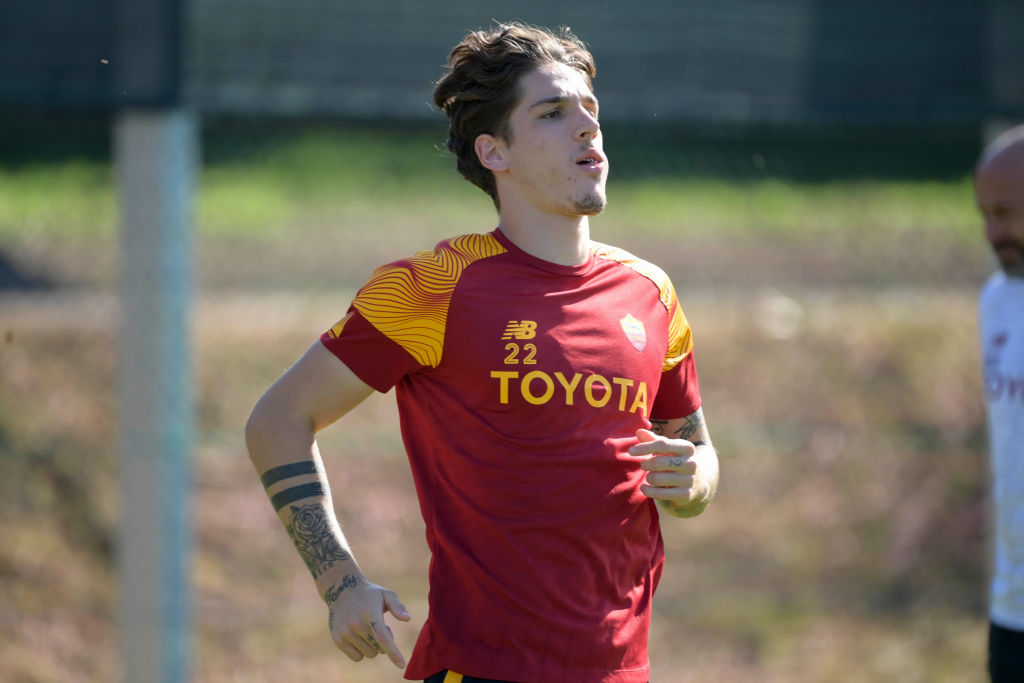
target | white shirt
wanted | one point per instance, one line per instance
(1002, 342)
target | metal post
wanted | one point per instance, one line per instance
(156, 156)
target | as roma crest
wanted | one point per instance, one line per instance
(635, 332)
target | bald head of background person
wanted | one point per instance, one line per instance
(999, 188)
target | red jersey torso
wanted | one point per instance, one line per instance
(520, 385)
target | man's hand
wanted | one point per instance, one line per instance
(356, 617)
(679, 476)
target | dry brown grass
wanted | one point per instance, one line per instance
(846, 542)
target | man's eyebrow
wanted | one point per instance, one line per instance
(559, 99)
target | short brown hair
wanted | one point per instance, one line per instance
(481, 87)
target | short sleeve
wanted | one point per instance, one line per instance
(398, 319)
(373, 357)
(679, 391)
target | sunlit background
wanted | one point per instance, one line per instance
(191, 192)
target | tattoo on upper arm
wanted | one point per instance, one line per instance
(691, 426)
(311, 533)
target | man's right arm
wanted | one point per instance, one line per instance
(281, 438)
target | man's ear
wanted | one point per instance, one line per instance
(491, 152)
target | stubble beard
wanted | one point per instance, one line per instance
(1014, 269)
(590, 204)
(1013, 265)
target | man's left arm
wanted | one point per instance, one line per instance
(681, 464)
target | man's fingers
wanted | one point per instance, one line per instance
(368, 635)
(394, 605)
(673, 494)
(649, 443)
(357, 638)
(349, 644)
(350, 652)
(645, 435)
(343, 641)
(670, 480)
(670, 463)
(382, 640)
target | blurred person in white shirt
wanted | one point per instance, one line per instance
(999, 188)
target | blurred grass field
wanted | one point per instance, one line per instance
(835, 332)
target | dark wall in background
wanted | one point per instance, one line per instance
(807, 89)
(748, 62)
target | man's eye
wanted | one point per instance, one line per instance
(552, 114)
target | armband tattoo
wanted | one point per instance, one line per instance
(279, 500)
(295, 469)
(295, 493)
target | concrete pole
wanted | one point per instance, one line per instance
(156, 155)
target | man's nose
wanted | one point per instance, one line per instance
(589, 127)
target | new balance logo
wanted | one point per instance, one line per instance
(520, 329)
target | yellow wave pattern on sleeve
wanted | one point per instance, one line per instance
(680, 337)
(408, 301)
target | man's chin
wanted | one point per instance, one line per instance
(1011, 261)
(591, 205)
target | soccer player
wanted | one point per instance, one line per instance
(999, 187)
(547, 394)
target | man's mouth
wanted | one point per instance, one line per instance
(590, 158)
(1010, 255)
(1007, 246)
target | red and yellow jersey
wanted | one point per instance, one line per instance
(520, 386)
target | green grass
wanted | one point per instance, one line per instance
(73, 199)
(260, 188)
(775, 207)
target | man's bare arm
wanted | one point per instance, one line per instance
(281, 438)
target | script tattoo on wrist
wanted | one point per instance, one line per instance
(311, 533)
(334, 592)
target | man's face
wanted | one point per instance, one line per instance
(555, 158)
(999, 186)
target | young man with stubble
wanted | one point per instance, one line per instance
(547, 395)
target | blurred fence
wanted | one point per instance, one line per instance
(753, 62)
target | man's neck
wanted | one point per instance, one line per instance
(564, 240)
